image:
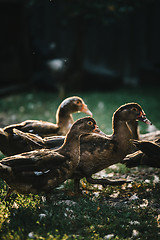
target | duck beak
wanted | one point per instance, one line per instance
(142, 118)
(97, 130)
(86, 110)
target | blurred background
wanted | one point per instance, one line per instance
(105, 51)
(60, 45)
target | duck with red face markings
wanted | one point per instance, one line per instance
(151, 136)
(100, 152)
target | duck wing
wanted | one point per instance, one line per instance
(35, 141)
(39, 160)
(15, 142)
(41, 128)
(54, 142)
(35, 171)
(95, 154)
(95, 142)
(134, 159)
(148, 147)
(157, 141)
(31, 139)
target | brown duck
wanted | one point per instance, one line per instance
(44, 169)
(14, 142)
(64, 120)
(148, 154)
(100, 152)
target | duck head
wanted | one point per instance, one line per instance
(73, 105)
(131, 111)
(86, 125)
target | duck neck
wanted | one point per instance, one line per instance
(64, 118)
(133, 125)
(71, 145)
(123, 133)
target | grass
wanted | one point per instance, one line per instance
(130, 211)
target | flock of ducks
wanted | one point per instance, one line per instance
(42, 155)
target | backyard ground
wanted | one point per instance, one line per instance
(130, 211)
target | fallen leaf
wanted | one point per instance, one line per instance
(98, 208)
(83, 184)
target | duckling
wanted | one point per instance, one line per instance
(99, 152)
(64, 120)
(40, 171)
(148, 154)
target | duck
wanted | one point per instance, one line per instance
(148, 154)
(41, 170)
(99, 152)
(13, 139)
(64, 120)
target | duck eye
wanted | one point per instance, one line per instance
(78, 102)
(135, 109)
(90, 123)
